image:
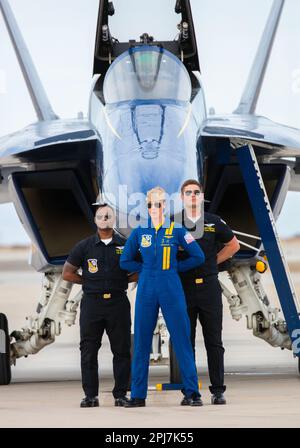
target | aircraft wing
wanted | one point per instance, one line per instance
(16, 147)
(45, 141)
(272, 138)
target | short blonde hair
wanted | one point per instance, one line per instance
(158, 192)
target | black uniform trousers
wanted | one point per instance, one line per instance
(205, 303)
(112, 315)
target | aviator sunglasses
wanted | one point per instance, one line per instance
(154, 204)
(104, 217)
(189, 192)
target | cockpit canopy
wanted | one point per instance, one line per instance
(147, 73)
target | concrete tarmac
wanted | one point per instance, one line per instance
(263, 383)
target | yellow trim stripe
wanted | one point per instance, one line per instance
(164, 258)
(168, 257)
(169, 231)
(172, 227)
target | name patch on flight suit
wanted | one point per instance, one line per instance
(146, 240)
(92, 265)
(166, 242)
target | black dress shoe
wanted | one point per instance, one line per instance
(89, 402)
(121, 401)
(135, 403)
(218, 399)
(191, 401)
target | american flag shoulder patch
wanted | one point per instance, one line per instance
(188, 238)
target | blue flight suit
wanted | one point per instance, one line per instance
(159, 286)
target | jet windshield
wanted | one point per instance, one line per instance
(147, 73)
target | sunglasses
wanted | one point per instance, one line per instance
(190, 192)
(106, 217)
(154, 204)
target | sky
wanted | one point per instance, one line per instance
(60, 35)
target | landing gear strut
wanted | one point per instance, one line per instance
(5, 370)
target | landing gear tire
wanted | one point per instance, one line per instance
(5, 370)
(175, 375)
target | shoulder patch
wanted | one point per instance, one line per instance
(189, 238)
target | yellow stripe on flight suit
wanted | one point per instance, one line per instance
(169, 231)
(167, 250)
(168, 257)
(164, 258)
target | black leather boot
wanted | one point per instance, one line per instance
(135, 403)
(89, 402)
(218, 399)
(121, 401)
(192, 401)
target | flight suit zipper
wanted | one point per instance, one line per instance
(157, 261)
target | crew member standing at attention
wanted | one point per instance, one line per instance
(104, 305)
(201, 286)
(159, 286)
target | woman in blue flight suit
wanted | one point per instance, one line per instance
(159, 286)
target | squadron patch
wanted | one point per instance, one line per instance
(119, 250)
(146, 240)
(92, 265)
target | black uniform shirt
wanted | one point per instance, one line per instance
(101, 272)
(216, 233)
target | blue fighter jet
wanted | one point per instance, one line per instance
(148, 125)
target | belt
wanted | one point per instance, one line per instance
(202, 280)
(110, 295)
(105, 295)
(199, 281)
